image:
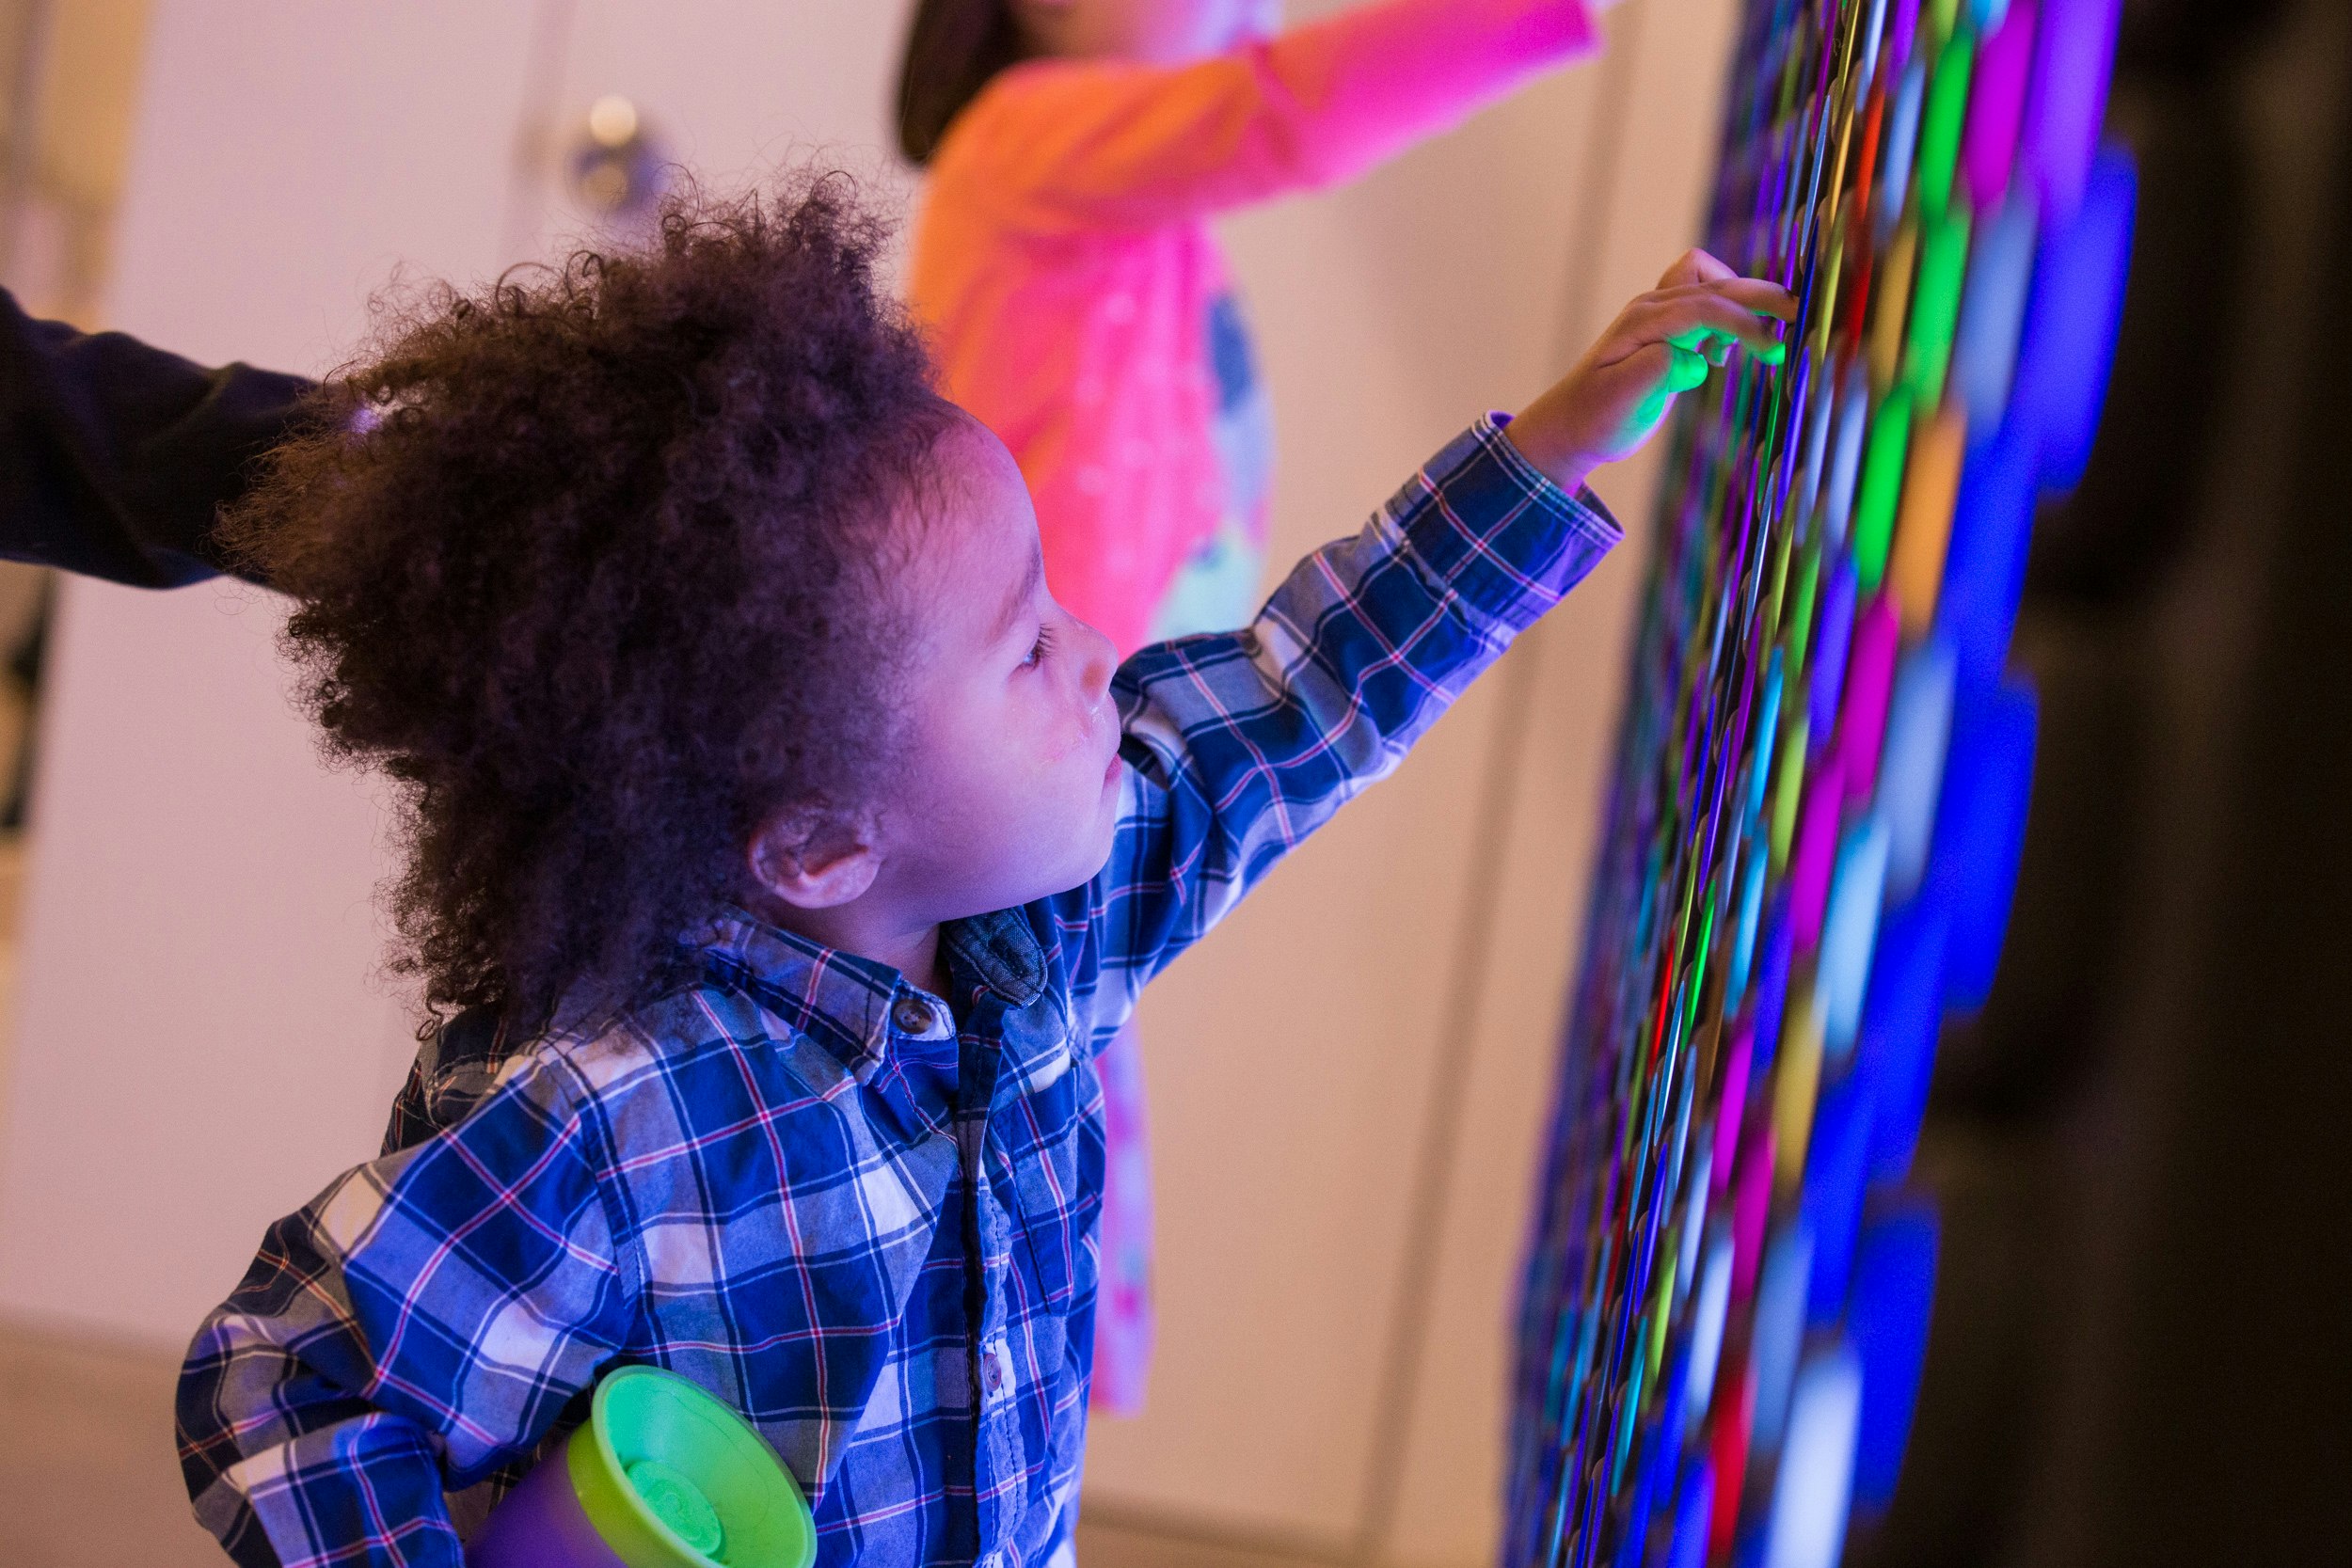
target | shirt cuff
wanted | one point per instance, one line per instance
(1505, 541)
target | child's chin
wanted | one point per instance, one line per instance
(1091, 868)
(1086, 869)
(1075, 872)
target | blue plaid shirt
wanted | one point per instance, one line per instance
(862, 1214)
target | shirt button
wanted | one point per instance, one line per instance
(912, 1015)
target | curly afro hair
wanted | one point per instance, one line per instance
(594, 563)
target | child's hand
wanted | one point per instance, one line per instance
(1659, 345)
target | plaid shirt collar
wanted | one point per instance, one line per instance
(852, 1006)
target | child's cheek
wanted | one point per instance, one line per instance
(1066, 734)
(1071, 743)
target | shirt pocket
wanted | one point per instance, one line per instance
(1052, 1143)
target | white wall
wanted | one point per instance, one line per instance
(200, 1042)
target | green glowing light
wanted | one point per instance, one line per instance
(1939, 126)
(1935, 306)
(1790, 784)
(1882, 488)
(1801, 612)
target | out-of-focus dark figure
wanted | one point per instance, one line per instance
(2143, 1145)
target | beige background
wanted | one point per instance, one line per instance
(199, 1041)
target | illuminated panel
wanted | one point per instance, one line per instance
(1813, 825)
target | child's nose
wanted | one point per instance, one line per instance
(1098, 660)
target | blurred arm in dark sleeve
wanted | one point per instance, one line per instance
(115, 458)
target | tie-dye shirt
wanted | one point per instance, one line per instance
(1081, 308)
(1216, 586)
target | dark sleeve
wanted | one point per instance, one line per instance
(115, 458)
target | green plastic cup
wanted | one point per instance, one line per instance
(661, 1476)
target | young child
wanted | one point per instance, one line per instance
(747, 749)
(1080, 308)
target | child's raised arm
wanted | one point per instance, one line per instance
(1242, 744)
(1095, 142)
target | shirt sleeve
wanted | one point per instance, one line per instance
(423, 1323)
(1241, 744)
(1068, 144)
(115, 458)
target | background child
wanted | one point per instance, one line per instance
(1080, 306)
(745, 746)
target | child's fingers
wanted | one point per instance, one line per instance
(1732, 308)
(1696, 266)
(1688, 370)
(1685, 319)
(1662, 370)
(1760, 295)
(1662, 344)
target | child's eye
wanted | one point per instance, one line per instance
(1038, 650)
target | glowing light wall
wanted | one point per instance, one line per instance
(1822, 782)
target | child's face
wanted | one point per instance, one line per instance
(1159, 32)
(1010, 790)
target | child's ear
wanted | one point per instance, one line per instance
(812, 858)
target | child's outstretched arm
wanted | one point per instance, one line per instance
(1241, 744)
(1099, 142)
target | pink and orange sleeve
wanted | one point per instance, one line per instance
(1089, 144)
